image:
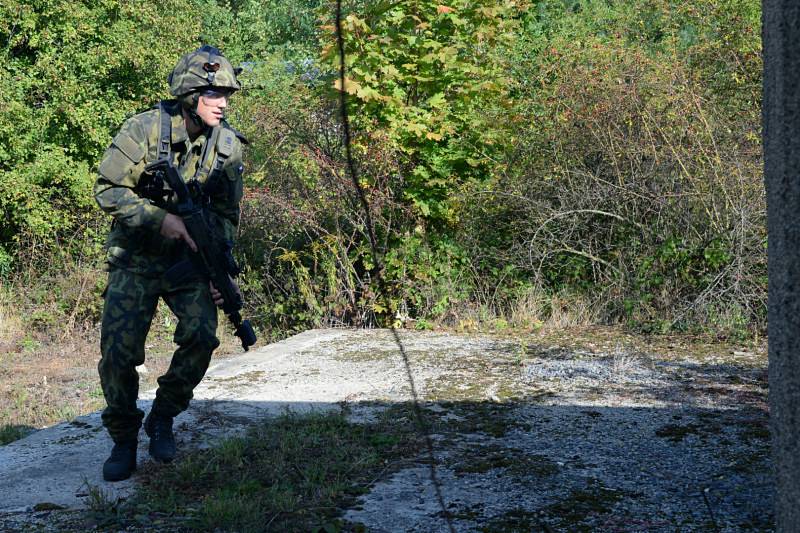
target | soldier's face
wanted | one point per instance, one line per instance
(211, 107)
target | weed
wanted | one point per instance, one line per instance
(677, 432)
(11, 432)
(514, 462)
(422, 324)
(580, 504)
(29, 344)
(757, 430)
(512, 521)
(102, 508)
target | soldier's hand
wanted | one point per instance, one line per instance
(173, 228)
(217, 296)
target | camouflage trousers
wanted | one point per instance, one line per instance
(130, 303)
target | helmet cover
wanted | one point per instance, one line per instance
(205, 68)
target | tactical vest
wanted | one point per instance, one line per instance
(207, 179)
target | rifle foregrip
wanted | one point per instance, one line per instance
(243, 330)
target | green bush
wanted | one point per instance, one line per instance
(640, 179)
(74, 70)
(426, 76)
(609, 151)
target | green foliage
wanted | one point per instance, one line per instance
(640, 177)
(11, 432)
(576, 148)
(432, 275)
(427, 77)
(719, 41)
(252, 30)
(609, 151)
(74, 70)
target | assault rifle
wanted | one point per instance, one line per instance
(213, 259)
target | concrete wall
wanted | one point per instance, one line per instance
(782, 176)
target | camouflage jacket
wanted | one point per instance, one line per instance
(135, 242)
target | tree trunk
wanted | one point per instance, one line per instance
(781, 115)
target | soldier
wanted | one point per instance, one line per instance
(146, 239)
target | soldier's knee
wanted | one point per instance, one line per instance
(201, 339)
(118, 355)
(211, 342)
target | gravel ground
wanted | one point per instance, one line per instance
(545, 438)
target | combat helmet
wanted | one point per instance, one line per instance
(204, 68)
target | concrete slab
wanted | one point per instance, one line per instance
(57, 464)
(528, 436)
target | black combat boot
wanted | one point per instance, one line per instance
(162, 442)
(122, 462)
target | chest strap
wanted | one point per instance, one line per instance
(223, 140)
(164, 132)
(207, 178)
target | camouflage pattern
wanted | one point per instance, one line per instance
(135, 242)
(202, 69)
(130, 303)
(138, 256)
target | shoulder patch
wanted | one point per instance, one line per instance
(225, 142)
(236, 132)
(133, 150)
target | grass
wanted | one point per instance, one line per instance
(11, 432)
(595, 500)
(292, 473)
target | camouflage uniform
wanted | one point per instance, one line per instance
(138, 256)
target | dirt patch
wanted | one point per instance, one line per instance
(43, 382)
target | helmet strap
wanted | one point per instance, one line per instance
(189, 104)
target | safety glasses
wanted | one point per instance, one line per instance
(216, 94)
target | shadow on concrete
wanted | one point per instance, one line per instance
(503, 466)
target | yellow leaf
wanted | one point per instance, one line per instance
(444, 9)
(368, 93)
(352, 87)
(433, 136)
(416, 128)
(390, 71)
(356, 23)
(288, 256)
